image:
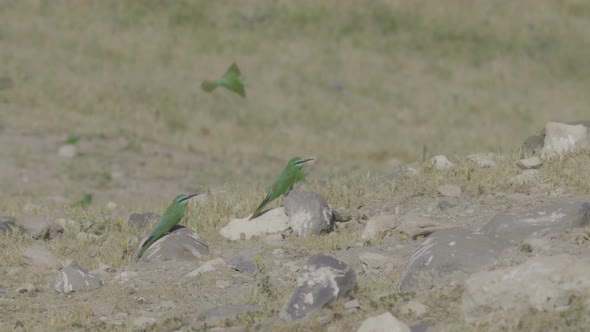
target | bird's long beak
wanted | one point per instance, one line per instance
(306, 160)
(187, 197)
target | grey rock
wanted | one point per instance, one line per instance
(273, 221)
(384, 322)
(8, 224)
(555, 217)
(447, 257)
(441, 162)
(526, 177)
(483, 160)
(530, 163)
(415, 225)
(74, 278)
(67, 151)
(373, 261)
(308, 213)
(443, 203)
(415, 308)
(228, 312)
(544, 283)
(142, 220)
(144, 321)
(377, 225)
(533, 145)
(449, 190)
(352, 304)
(41, 259)
(321, 280)
(179, 244)
(39, 227)
(562, 138)
(26, 288)
(243, 263)
(207, 267)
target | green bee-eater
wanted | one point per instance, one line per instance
(172, 216)
(230, 80)
(292, 174)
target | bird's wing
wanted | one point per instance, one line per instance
(233, 70)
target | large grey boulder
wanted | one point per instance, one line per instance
(533, 145)
(321, 280)
(385, 322)
(562, 138)
(273, 221)
(555, 217)
(308, 213)
(544, 283)
(39, 227)
(447, 257)
(74, 278)
(179, 244)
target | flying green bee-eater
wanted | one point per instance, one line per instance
(292, 174)
(172, 216)
(230, 80)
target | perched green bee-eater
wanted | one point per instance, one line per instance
(292, 174)
(230, 80)
(172, 216)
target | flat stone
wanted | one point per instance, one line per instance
(74, 278)
(40, 259)
(543, 283)
(180, 244)
(526, 177)
(483, 160)
(322, 280)
(441, 162)
(67, 151)
(243, 263)
(384, 322)
(555, 217)
(372, 261)
(563, 138)
(308, 213)
(533, 145)
(530, 163)
(39, 227)
(415, 225)
(352, 304)
(377, 225)
(447, 257)
(8, 225)
(207, 267)
(144, 321)
(449, 190)
(273, 221)
(415, 308)
(26, 288)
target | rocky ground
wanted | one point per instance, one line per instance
(486, 243)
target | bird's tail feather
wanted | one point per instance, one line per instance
(237, 88)
(258, 211)
(208, 86)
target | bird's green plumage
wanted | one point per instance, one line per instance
(172, 216)
(230, 80)
(292, 174)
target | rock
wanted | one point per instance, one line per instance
(483, 160)
(414, 225)
(372, 261)
(41, 259)
(308, 213)
(222, 284)
(39, 227)
(8, 224)
(448, 256)
(544, 283)
(73, 278)
(144, 321)
(243, 264)
(529, 163)
(273, 221)
(352, 305)
(415, 308)
(385, 322)
(555, 217)
(180, 244)
(28, 287)
(441, 162)
(230, 312)
(443, 203)
(562, 138)
(111, 205)
(141, 220)
(377, 225)
(525, 177)
(125, 276)
(206, 267)
(321, 280)
(449, 190)
(67, 151)
(533, 145)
